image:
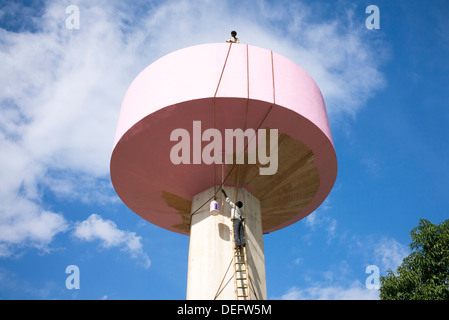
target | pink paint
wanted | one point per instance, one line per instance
(178, 89)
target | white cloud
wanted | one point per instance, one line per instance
(106, 231)
(321, 220)
(59, 104)
(338, 284)
(24, 224)
(389, 253)
(355, 291)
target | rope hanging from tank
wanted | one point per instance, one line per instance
(246, 111)
(221, 283)
(260, 124)
(215, 95)
(244, 124)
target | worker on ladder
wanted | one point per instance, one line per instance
(233, 38)
(237, 220)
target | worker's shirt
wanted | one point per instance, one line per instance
(235, 211)
(234, 40)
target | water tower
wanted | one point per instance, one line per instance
(175, 118)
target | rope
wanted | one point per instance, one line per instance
(216, 294)
(260, 124)
(232, 168)
(252, 286)
(272, 77)
(215, 94)
(244, 124)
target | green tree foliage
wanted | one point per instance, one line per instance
(424, 274)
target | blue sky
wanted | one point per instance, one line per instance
(60, 96)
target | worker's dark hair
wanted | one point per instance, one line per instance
(233, 33)
(239, 204)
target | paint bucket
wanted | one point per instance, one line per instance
(214, 209)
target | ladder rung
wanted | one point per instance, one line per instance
(243, 296)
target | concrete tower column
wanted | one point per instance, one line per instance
(211, 270)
